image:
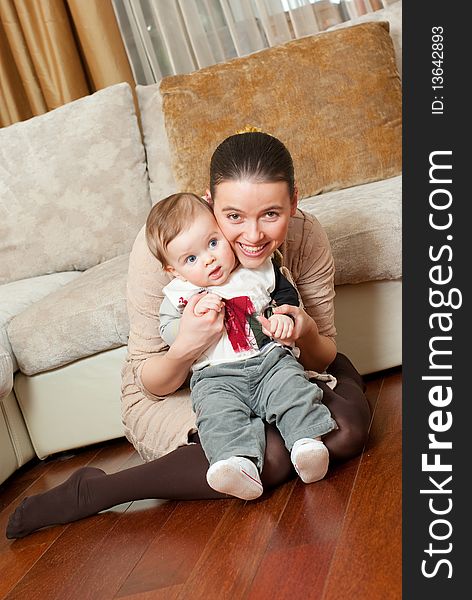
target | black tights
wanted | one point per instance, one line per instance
(181, 474)
(350, 409)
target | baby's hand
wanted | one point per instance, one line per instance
(208, 302)
(279, 327)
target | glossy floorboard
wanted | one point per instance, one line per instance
(336, 539)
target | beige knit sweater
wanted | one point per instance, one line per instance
(155, 425)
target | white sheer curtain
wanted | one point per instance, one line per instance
(168, 37)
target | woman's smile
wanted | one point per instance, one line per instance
(252, 251)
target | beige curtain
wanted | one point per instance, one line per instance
(169, 37)
(55, 51)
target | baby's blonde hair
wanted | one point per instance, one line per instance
(168, 218)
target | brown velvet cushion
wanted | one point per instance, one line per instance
(334, 99)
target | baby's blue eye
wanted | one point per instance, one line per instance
(213, 243)
(191, 259)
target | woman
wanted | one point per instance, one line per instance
(254, 197)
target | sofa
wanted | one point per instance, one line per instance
(77, 183)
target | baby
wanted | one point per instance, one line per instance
(246, 377)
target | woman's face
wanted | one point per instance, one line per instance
(253, 217)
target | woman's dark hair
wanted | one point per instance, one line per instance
(252, 156)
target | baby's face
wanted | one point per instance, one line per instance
(201, 254)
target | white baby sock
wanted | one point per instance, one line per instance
(236, 476)
(310, 458)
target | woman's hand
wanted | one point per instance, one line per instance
(278, 327)
(208, 302)
(316, 351)
(164, 373)
(197, 332)
(303, 324)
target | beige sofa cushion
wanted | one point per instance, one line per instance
(161, 178)
(333, 98)
(16, 296)
(84, 317)
(364, 228)
(73, 186)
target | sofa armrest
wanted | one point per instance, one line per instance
(6, 372)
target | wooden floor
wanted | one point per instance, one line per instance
(334, 540)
